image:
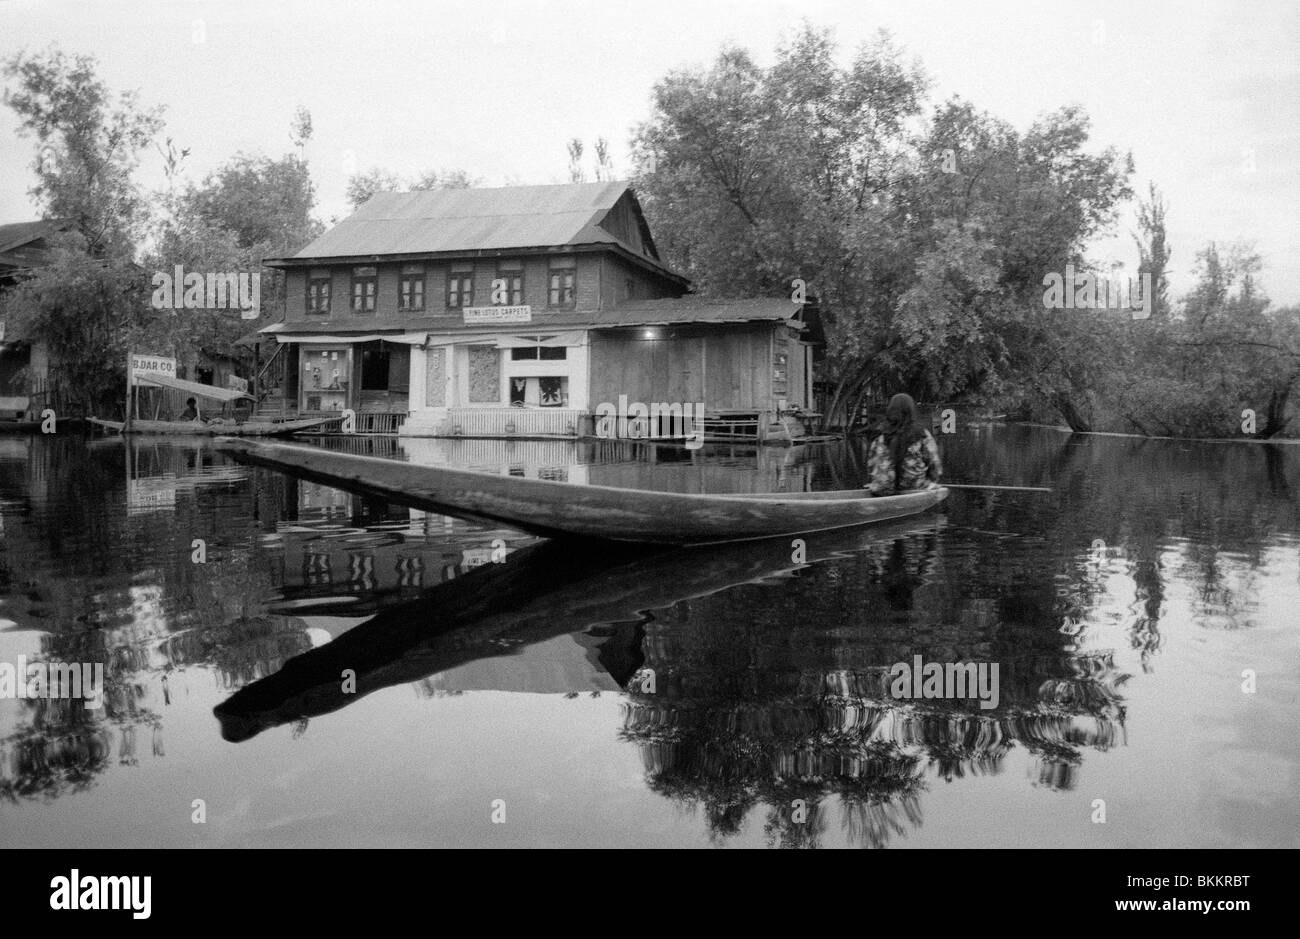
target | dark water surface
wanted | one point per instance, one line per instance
(600, 696)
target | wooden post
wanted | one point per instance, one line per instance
(126, 423)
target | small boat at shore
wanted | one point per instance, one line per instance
(19, 427)
(201, 429)
(556, 509)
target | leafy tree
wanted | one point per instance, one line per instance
(576, 173)
(1194, 374)
(249, 209)
(88, 145)
(265, 202)
(86, 309)
(83, 304)
(1154, 250)
(927, 249)
(361, 186)
(445, 179)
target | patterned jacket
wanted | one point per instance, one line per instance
(921, 467)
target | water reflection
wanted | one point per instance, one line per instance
(753, 687)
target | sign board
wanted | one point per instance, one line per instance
(144, 365)
(491, 315)
(235, 383)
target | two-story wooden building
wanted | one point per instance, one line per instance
(519, 311)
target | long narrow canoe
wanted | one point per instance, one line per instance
(557, 509)
(200, 429)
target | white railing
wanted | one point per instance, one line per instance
(511, 422)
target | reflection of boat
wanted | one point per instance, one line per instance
(19, 427)
(496, 611)
(200, 429)
(557, 509)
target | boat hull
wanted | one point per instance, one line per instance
(19, 427)
(556, 509)
(199, 429)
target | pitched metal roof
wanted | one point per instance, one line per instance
(17, 234)
(447, 220)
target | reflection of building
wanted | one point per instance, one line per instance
(518, 311)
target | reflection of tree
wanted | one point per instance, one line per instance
(1193, 511)
(751, 710)
(143, 623)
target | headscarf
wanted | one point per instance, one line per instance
(902, 429)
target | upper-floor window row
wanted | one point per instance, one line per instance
(506, 287)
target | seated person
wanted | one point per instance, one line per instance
(905, 457)
(191, 412)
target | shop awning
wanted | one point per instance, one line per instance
(211, 392)
(550, 340)
(405, 339)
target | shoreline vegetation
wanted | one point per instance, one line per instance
(1066, 429)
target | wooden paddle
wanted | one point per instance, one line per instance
(1009, 488)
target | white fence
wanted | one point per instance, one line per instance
(523, 422)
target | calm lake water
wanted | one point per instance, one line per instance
(596, 696)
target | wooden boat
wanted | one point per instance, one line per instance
(200, 429)
(19, 427)
(556, 509)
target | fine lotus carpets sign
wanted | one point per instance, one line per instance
(491, 315)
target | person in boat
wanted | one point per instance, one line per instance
(191, 412)
(904, 458)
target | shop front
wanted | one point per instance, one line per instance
(503, 384)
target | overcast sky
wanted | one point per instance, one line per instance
(1205, 95)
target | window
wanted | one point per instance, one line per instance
(563, 286)
(460, 289)
(410, 295)
(554, 391)
(542, 353)
(546, 391)
(318, 293)
(508, 288)
(365, 285)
